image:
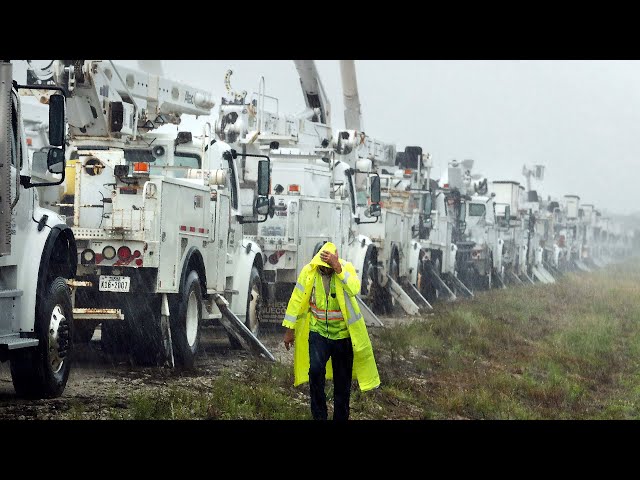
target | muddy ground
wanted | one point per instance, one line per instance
(98, 380)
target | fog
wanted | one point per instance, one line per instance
(578, 118)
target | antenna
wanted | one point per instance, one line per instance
(536, 172)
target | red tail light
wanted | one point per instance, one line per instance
(275, 256)
(124, 253)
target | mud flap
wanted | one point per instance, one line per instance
(441, 283)
(239, 330)
(461, 286)
(370, 318)
(553, 270)
(528, 277)
(541, 274)
(401, 296)
(513, 274)
(580, 264)
(165, 328)
(416, 294)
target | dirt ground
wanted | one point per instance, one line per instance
(96, 377)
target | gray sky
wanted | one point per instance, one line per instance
(581, 119)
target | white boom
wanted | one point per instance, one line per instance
(314, 94)
(352, 113)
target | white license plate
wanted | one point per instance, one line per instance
(111, 283)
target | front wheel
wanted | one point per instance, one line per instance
(42, 371)
(391, 304)
(186, 319)
(254, 307)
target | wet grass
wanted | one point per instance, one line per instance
(570, 350)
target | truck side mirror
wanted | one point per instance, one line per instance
(375, 210)
(56, 121)
(507, 213)
(264, 178)
(262, 206)
(428, 205)
(55, 160)
(375, 189)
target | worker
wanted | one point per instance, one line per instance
(331, 339)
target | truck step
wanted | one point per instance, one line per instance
(14, 341)
(97, 314)
(10, 293)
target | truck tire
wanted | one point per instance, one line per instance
(428, 287)
(42, 371)
(254, 307)
(186, 320)
(391, 305)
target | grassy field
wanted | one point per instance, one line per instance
(565, 351)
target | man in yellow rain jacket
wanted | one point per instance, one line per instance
(330, 335)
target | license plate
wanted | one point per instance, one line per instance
(111, 283)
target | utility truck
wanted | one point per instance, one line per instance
(37, 249)
(314, 191)
(157, 218)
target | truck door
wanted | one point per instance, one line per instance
(220, 234)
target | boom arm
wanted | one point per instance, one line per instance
(314, 94)
(109, 101)
(352, 113)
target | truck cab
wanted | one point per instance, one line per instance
(36, 247)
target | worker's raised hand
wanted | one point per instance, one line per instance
(332, 260)
(289, 338)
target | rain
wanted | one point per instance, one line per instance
(479, 206)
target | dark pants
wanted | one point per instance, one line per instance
(341, 353)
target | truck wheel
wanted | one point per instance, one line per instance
(254, 308)
(391, 303)
(428, 286)
(369, 279)
(42, 371)
(186, 318)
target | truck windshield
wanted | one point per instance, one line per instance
(476, 209)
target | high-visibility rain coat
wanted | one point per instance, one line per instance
(298, 315)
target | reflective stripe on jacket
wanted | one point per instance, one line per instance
(326, 317)
(298, 315)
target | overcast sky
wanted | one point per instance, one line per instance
(581, 119)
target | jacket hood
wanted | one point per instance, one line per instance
(329, 247)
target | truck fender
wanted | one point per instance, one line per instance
(356, 253)
(57, 258)
(193, 261)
